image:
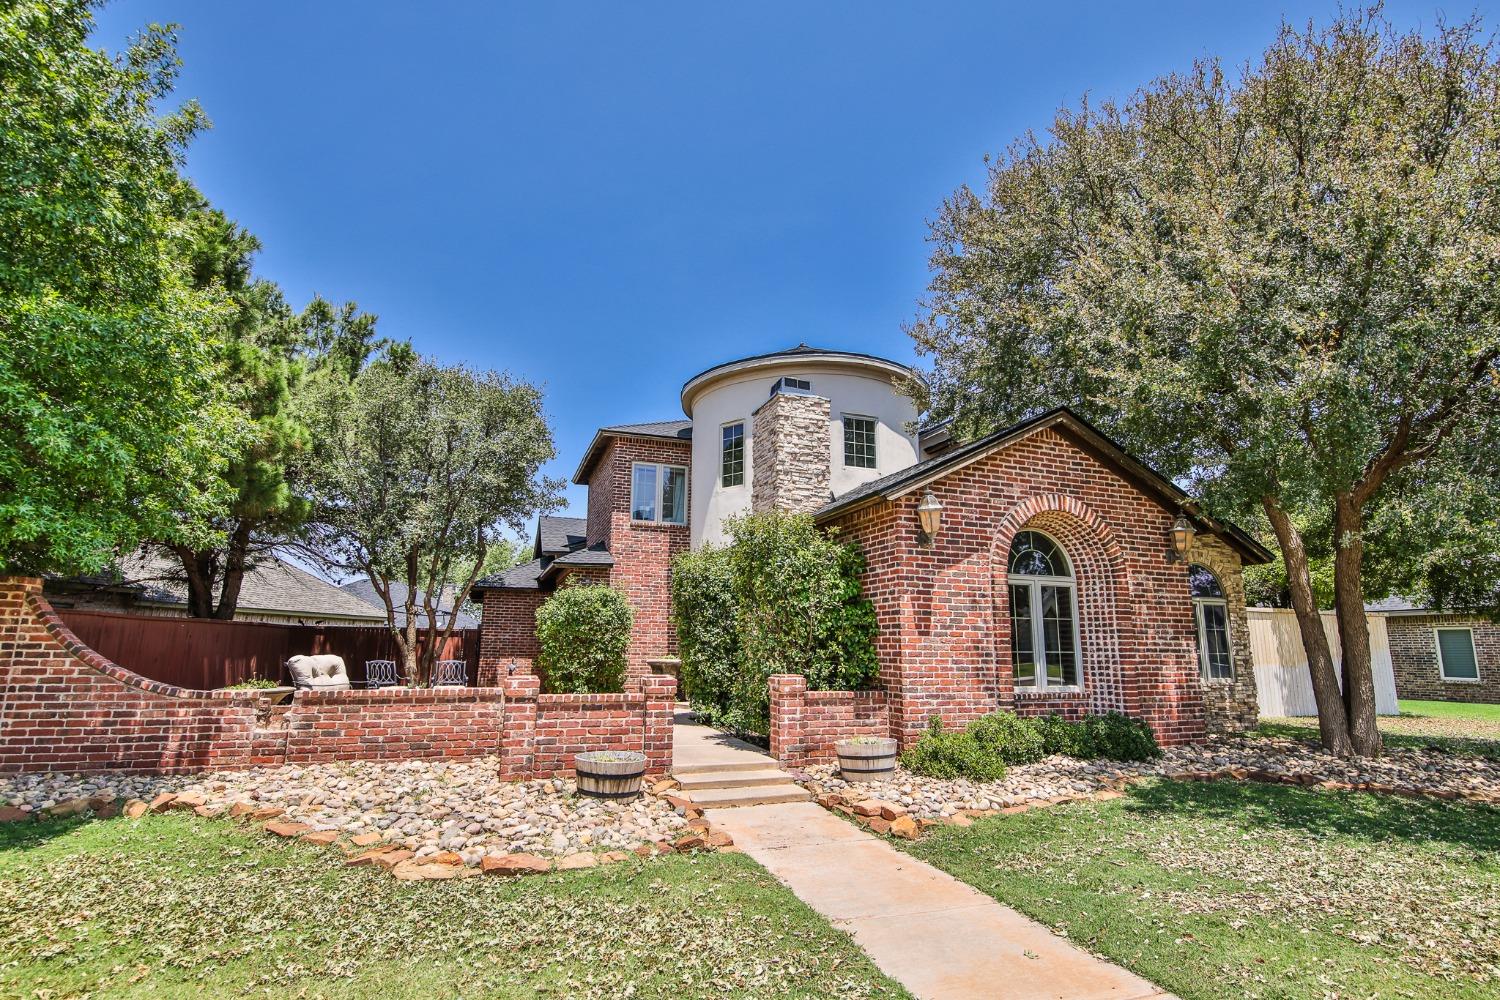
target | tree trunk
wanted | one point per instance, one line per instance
(419, 661)
(1333, 721)
(198, 570)
(234, 572)
(1354, 629)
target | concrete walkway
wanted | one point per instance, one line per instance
(940, 938)
(696, 745)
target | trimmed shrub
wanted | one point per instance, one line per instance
(1009, 737)
(952, 754)
(1119, 737)
(707, 641)
(1059, 736)
(583, 631)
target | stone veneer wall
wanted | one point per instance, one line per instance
(1414, 658)
(942, 610)
(791, 456)
(805, 724)
(1230, 706)
(66, 708)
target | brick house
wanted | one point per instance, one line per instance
(1063, 575)
(1441, 655)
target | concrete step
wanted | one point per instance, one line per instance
(756, 795)
(731, 779)
(761, 764)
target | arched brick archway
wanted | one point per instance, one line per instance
(1102, 595)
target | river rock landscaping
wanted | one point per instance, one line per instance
(1408, 771)
(459, 813)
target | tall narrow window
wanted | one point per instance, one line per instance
(658, 493)
(1211, 618)
(1456, 659)
(732, 466)
(1043, 614)
(859, 442)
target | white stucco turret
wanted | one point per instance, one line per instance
(861, 392)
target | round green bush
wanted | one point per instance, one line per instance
(952, 754)
(583, 632)
(1009, 737)
(1116, 736)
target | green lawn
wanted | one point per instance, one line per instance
(181, 907)
(1244, 890)
(1441, 725)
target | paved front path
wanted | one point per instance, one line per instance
(938, 936)
(695, 745)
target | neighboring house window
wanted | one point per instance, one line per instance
(1456, 660)
(732, 467)
(658, 493)
(1211, 617)
(859, 442)
(1043, 614)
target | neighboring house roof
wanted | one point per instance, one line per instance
(666, 430)
(365, 591)
(900, 483)
(271, 586)
(555, 535)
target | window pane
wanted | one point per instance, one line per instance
(859, 442)
(1213, 620)
(674, 496)
(1456, 649)
(1022, 653)
(643, 493)
(1057, 632)
(732, 471)
(1034, 554)
(1202, 583)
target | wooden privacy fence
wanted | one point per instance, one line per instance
(1283, 684)
(202, 654)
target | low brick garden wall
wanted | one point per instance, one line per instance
(63, 707)
(805, 724)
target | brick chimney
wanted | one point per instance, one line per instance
(791, 453)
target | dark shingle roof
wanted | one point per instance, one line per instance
(365, 591)
(522, 577)
(1142, 474)
(555, 535)
(666, 430)
(596, 556)
(1396, 603)
(271, 585)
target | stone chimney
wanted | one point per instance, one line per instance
(791, 453)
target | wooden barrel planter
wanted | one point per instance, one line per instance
(866, 758)
(609, 774)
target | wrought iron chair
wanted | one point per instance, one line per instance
(381, 674)
(450, 673)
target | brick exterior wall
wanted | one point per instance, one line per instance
(943, 609)
(66, 708)
(507, 636)
(805, 724)
(791, 453)
(1415, 662)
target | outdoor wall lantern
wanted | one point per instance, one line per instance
(1182, 536)
(929, 517)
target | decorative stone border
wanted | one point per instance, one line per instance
(367, 849)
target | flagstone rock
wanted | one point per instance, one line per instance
(575, 861)
(135, 809)
(13, 814)
(321, 837)
(281, 829)
(514, 864)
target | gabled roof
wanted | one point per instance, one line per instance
(915, 477)
(665, 430)
(522, 577)
(555, 535)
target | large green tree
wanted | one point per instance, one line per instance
(112, 407)
(1279, 286)
(416, 470)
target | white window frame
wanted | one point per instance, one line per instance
(1438, 648)
(1199, 603)
(844, 419)
(661, 488)
(1042, 684)
(744, 454)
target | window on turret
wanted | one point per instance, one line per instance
(732, 466)
(859, 442)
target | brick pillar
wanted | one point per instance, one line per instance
(792, 452)
(788, 698)
(658, 693)
(518, 725)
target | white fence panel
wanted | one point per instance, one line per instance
(1282, 682)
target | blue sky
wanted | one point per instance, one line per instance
(607, 198)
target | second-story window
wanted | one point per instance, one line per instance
(732, 468)
(658, 493)
(859, 442)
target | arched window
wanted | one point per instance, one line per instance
(1043, 614)
(1211, 616)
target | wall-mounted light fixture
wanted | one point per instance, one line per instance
(1182, 536)
(929, 518)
